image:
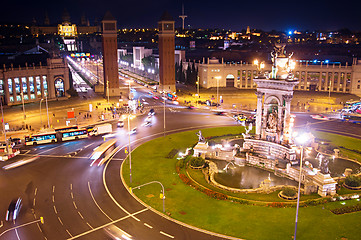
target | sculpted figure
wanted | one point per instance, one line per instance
(200, 137)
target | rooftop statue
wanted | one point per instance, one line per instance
(282, 63)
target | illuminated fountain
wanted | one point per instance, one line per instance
(272, 148)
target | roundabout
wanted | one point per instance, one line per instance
(189, 202)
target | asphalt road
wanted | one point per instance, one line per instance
(60, 185)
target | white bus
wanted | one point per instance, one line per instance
(41, 138)
(74, 134)
(103, 152)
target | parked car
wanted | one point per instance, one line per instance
(15, 140)
(14, 209)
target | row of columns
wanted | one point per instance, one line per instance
(261, 117)
(303, 81)
(15, 94)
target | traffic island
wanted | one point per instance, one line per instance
(246, 220)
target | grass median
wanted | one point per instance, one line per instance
(150, 163)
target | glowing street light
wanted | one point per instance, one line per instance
(217, 78)
(41, 119)
(259, 65)
(302, 140)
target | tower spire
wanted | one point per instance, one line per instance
(183, 16)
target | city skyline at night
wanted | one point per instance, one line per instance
(265, 15)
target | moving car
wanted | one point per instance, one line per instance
(151, 112)
(14, 209)
(120, 123)
(221, 113)
(133, 131)
(319, 117)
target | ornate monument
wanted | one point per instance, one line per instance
(274, 95)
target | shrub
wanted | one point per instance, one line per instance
(185, 179)
(172, 153)
(353, 181)
(276, 204)
(197, 161)
(347, 209)
(288, 192)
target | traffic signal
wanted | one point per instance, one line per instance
(126, 150)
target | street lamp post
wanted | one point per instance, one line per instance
(3, 123)
(302, 140)
(217, 78)
(163, 115)
(163, 193)
(329, 96)
(197, 89)
(47, 109)
(130, 150)
(108, 90)
(41, 119)
(22, 99)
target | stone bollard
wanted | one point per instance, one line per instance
(348, 172)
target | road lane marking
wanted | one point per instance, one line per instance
(55, 156)
(75, 205)
(68, 232)
(55, 209)
(60, 221)
(91, 194)
(72, 196)
(165, 234)
(89, 225)
(53, 198)
(80, 215)
(71, 186)
(147, 225)
(53, 188)
(62, 145)
(108, 224)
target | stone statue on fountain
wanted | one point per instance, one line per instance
(200, 137)
(272, 121)
(248, 129)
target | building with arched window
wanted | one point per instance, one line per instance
(33, 82)
(323, 78)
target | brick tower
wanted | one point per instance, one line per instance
(110, 64)
(166, 53)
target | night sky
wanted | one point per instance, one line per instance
(235, 15)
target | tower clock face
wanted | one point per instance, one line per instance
(109, 26)
(168, 26)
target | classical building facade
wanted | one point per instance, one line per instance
(33, 83)
(323, 78)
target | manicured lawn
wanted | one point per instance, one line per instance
(344, 141)
(149, 163)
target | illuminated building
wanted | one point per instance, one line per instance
(323, 78)
(34, 81)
